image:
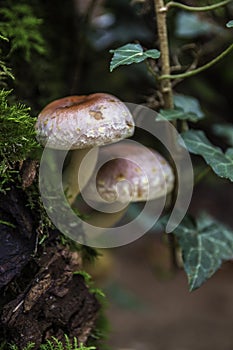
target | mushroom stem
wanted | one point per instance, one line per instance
(105, 220)
(72, 172)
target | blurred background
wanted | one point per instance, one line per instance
(149, 306)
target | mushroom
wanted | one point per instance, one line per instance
(132, 173)
(79, 123)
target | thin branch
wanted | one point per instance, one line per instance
(195, 53)
(151, 70)
(197, 9)
(200, 69)
(167, 93)
(166, 88)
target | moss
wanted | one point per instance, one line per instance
(21, 27)
(17, 137)
(51, 344)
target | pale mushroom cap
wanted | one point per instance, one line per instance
(84, 121)
(135, 173)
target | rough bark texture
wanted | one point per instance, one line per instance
(17, 235)
(40, 295)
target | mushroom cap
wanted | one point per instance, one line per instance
(84, 121)
(134, 173)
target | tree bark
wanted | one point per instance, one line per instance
(40, 294)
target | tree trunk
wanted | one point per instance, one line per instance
(40, 295)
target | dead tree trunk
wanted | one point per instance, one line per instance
(40, 295)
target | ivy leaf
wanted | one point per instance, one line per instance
(186, 108)
(197, 143)
(225, 131)
(189, 104)
(131, 53)
(205, 244)
(190, 25)
(229, 153)
(229, 24)
(176, 113)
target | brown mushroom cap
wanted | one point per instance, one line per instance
(135, 173)
(84, 121)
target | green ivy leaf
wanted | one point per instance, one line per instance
(225, 131)
(189, 104)
(131, 53)
(186, 108)
(197, 143)
(176, 113)
(229, 24)
(229, 153)
(205, 244)
(190, 25)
